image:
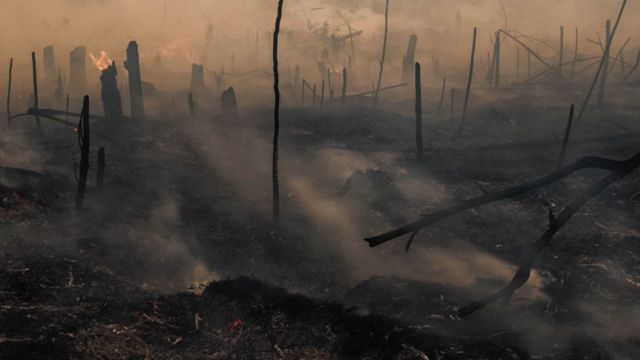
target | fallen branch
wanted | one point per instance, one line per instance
(617, 169)
(588, 162)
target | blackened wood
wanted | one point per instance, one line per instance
(111, 100)
(84, 141)
(467, 93)
(9, 92)
(344, 86)
(49, 60)
(132, 64)
(418, 81)
(605, 69)
(442, 94)
(583, 108)
(35, 88)
(384, 53)
(276, 119)
(192, 105)
(229, 101)
(567, 135)
(409, 59)
(78, 70)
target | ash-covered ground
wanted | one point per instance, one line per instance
(176, 257)
(175, 254)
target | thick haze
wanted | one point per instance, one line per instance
(174, 30)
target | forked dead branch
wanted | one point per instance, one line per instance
(617, 170)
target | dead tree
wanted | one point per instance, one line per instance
(567, 135)
(384, 53)
(417, 72)
(575, 56)
(229, 102)
(605, 68)
(561, 60)
(469, 81)
(192, 105)
(197, 78)
(111, 100)
(276, 119)
(100, 170)
(132, 64)
(617, 170)
(409, 59)
(607, 50)
(49, 60)
(77, 70)
(344, 86)
(35, 88)
(496, 56)
(322, 94)
(9, 92)
(84, 141)
(442, 94)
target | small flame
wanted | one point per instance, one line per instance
(103, 62)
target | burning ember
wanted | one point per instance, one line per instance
(103, 62)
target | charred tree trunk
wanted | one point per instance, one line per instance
(132, 64)
(35, 89)
(77, 70)
(575, 56)
(604, 59)
(111, 100)
(417, 73)
(9, 92)
(567, 136)
(322, 94)
(84, 141)
(192, 105)
(197, 78)
(467, 93)
(50, 69)
(344, 86)
(276, 119)
(605, 68)
(229, 102)
(561, 60)
(496, 72)
(442, 94)
(384, 53)
(409, 59)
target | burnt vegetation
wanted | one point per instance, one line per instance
(316, 188)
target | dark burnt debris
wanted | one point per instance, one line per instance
(348, 179)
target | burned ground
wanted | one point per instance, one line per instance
(176, 258)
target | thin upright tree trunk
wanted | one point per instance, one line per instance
(602, 63)
(469, 81)
(605, 68)
(575, 56)
(35, 89)
(419, 151)
(344, 86)
(9, 92)
(384, 53)
(84, 140)
(442, 94)
(561, 61)
(276, 119)
(567, 135)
